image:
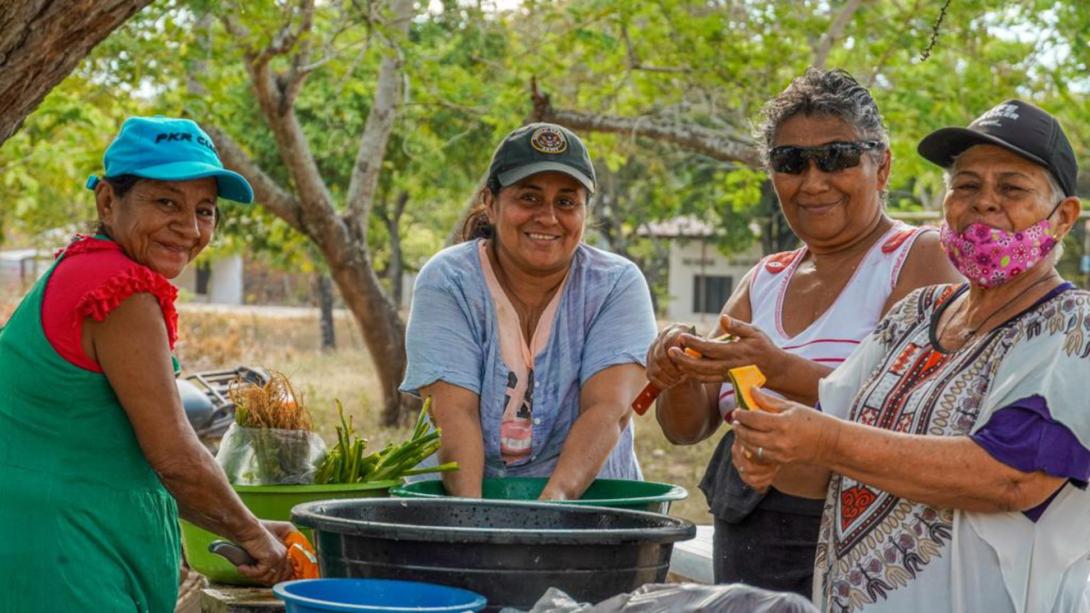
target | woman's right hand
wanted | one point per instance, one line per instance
(266, 547)
(662, 372)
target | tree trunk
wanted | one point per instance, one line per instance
(324, 289)
(41, 41)
(384, 333)
(309, 207)
(393, 227)
(395, 270)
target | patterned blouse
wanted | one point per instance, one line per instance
(1019, 392)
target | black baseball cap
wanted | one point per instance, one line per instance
(1016, 126)
(541, 147)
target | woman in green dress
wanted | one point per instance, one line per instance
(97, 460)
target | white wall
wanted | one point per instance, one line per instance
(692, 257)
(224, 284)
(408, 279)
(19, 269)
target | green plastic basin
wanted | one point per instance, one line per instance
(267, 502)
(613, 493)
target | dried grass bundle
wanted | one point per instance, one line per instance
(273, 405)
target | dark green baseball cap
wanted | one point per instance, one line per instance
(541, 147)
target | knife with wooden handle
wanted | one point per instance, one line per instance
(650, 391)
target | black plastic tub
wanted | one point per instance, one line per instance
(511, 552)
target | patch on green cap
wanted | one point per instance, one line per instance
(548, 139)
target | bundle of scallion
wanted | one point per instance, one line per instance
(345, 462)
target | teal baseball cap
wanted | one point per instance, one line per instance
(169, 149)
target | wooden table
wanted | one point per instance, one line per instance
(218, 598)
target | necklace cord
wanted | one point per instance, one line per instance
(935, 334)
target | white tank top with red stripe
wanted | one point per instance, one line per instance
(853, 315)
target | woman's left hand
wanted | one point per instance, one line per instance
(756, 474)
(750, 346)
(784, 432)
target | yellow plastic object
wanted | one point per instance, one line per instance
(744, 379)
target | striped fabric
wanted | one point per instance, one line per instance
(856, 311)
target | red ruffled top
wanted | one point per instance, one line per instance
(95, 277)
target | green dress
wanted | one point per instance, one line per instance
(87, 525)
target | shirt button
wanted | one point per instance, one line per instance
(537, 421)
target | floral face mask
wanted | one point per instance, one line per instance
(989, 257)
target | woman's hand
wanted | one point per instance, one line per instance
(662, 372)
(758, 475)
(267, 548)
(784, 432)
(750, 346)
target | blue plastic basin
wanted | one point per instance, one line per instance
(375, 595)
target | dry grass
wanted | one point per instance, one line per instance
(9, 299)
(287, 341)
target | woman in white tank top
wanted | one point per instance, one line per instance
(796, 315)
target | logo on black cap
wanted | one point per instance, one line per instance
(994, 116)
(548, 139)
(1018, 127)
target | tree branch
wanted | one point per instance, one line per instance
(634, 62)
(317, 218)
(42, 42)
(380, 123)
(298, 72)
(266, 190)
(290, 140)
(732, 146)
(237, 31)
(880, 65)
(835, 31)
(329, 50)
(399, 205)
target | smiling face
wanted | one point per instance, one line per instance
(160, 224)
(998, 188)
(828, 209)
(538, 222)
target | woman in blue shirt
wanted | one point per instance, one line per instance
(530, 342)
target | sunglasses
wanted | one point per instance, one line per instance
(830, 157)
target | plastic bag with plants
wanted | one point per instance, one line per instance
(270, 442)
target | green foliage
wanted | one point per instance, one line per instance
(44, 166)
(468, 71)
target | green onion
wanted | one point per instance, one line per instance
(346, 463)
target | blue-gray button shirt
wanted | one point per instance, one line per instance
(604, 319)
